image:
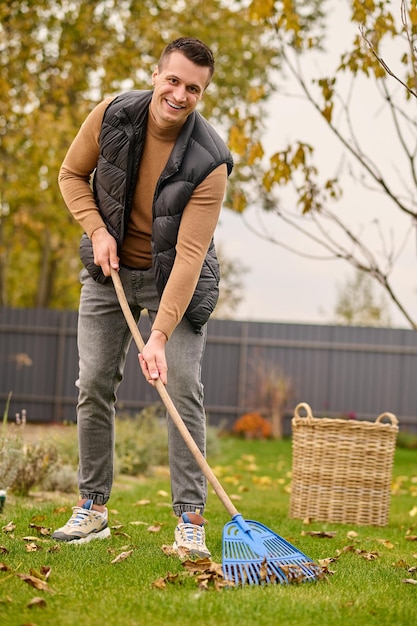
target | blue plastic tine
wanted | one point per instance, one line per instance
(254, 554)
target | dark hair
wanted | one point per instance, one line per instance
(193, 49)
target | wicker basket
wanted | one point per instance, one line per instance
(341, 469)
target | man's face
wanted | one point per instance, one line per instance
(178, 87)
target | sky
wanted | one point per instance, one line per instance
(281, 286)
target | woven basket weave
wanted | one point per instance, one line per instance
(341, 469)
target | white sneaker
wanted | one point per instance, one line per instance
(191, 536)
(84, 525)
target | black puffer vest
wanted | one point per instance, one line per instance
(198, 150)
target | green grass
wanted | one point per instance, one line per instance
(87, 589)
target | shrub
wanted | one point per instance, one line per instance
(24, 465)
(252, 426)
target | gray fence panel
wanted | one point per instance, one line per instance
(336, 369)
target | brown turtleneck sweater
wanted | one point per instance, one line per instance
(197, 224)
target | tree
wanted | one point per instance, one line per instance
(58, 59)
(296, 189)
(232, 272)
(359, 305)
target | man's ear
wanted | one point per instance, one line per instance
(154, 74)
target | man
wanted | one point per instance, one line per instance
(160, 173)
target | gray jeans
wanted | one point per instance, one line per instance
(103, 342)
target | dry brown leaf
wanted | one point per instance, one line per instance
(162, 493)
(61, 509)
(368, 556)
(122, 556)
(46, 571)
(199, 565)
(55, 548)
(138, 523)
(142, 502)
(319, 533)
(42, 530)
(386, 543)
(352, 534)
(41, 585)
(154, 528)
(32, 547)
(159, 583)
(412, 570)
(411, 537)
(114, 512)
(410, 581)
(401, 564)
(3, 550)
(4, 567)
(125, 535)
(9, 528)
(39, 602)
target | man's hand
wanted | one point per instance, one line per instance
(105, 250)
(152, 360)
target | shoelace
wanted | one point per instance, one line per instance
(192, 532)
(79, 517)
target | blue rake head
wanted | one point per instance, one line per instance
(253, 554)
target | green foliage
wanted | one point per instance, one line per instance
(58, 60)
(25, 464)
(141, 442)
(358, 304)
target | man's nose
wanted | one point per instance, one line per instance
(180, 93)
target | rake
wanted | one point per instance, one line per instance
(252, 553)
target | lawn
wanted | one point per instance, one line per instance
(129, 580)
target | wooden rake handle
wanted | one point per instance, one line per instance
(169, 405)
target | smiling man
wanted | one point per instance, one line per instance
(160, 173)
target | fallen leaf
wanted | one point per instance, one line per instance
(413, 511)
(154, 528)
(413, 569)
(122, 556)
(4, 567)
(142, 502)
(41, 585)
(138, 523)
(162, 493)
(386, 543)
(410, 581)
(46, 571)
(401, 564)
(199, 565)
(319, 533)
(55, 548)
(42, 530)
(178, 552)
(352, 534)
(368, 556)
(9, 528)
(114, 512)
(3, 550)
(61, 509)
(40, 602)
(411, 537)
(159, 583)
(32, 547)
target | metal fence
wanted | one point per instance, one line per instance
(338, 370)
